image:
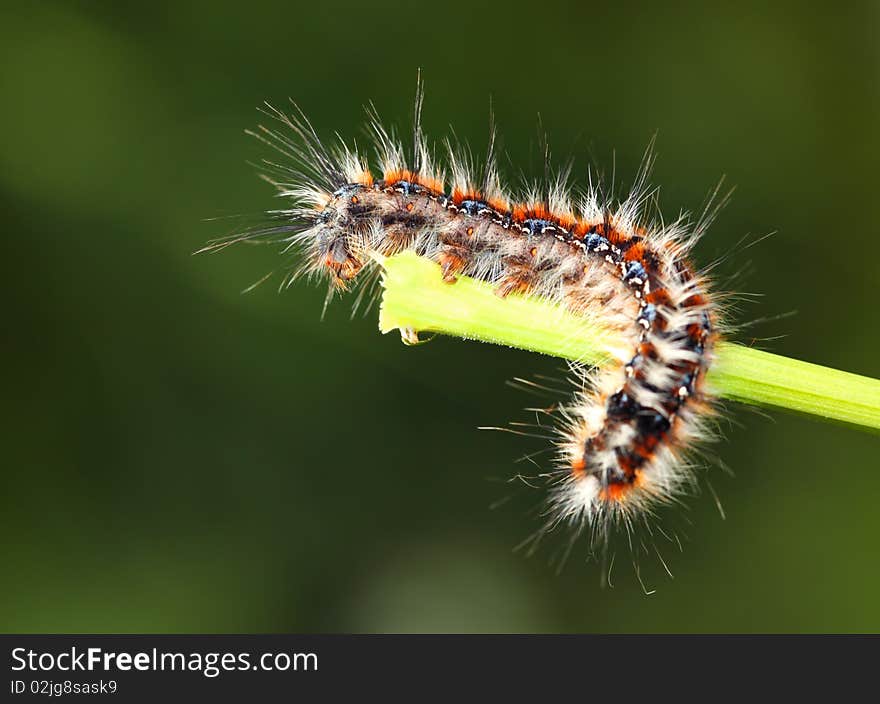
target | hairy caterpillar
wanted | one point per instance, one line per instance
(629, 430)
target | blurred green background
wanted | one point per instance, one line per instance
(181, 457)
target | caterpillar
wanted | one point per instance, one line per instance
(628, 434)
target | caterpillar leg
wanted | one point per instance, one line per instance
(453, 260)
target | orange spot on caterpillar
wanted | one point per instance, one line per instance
(396, 175)
(499, 204)
(695, 331)
(409, 207)
(635, 252)
(580, 228)
(540, 211)
(566, 220)
(533, 251)
(659, 296)
(459, 195)
(646, 446)
(355, 200)
(615, 492)
(431, 184)
(470, 232)
(614, 235)
(694, 301)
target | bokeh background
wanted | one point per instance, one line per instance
(178, 456)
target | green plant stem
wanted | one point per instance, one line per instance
(416, 299)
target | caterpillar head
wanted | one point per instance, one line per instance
(341, 232)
